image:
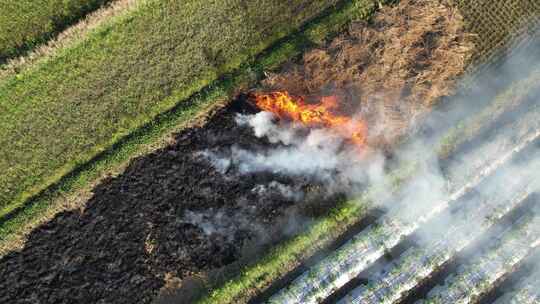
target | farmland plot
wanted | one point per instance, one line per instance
(508, 105)
(25, 24)
(500, 25)
(61, 113)
(221, 210)
(421, 261)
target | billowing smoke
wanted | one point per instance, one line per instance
(488, 167)
(320, 154)
(280, 189)
(221, 222)
(325, 156)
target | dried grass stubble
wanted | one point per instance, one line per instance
(393, 69)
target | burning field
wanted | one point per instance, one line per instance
(389, 72)
(265, 165)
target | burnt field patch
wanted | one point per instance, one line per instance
(171, 214)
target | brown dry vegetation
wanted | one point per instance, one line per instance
(393, 69)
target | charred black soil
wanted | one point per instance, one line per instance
(170, 215)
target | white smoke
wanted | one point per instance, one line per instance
(263, 126)
(283, 190)
(220, 222)
(325, 156)
(321, 154)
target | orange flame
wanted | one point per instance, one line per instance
(313, 115)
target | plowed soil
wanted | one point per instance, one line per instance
(172, 215)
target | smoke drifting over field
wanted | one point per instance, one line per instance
(501, 162)
(479, 148)
(297, 151)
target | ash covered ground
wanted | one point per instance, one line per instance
(171, 214)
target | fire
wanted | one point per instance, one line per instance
(321, 114)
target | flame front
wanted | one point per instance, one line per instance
(313, 115)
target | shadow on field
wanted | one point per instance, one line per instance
(169, 216)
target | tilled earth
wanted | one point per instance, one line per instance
(169, 215)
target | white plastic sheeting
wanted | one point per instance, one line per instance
(419, 262)
(355, 256)
(479, 274)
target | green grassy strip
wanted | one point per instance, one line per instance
(246, 76)
(59, 114)
(289, 254)
(26, 23)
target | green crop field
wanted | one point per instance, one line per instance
(26, 23)
(498, 24)
(62, 112)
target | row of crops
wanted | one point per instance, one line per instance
(420, 262)
(526, 290)
(462, 164)
(480, 273)
(100, 102)
(499, 25)
(347, 262)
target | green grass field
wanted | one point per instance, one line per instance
(27, 23)
(60, 113)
